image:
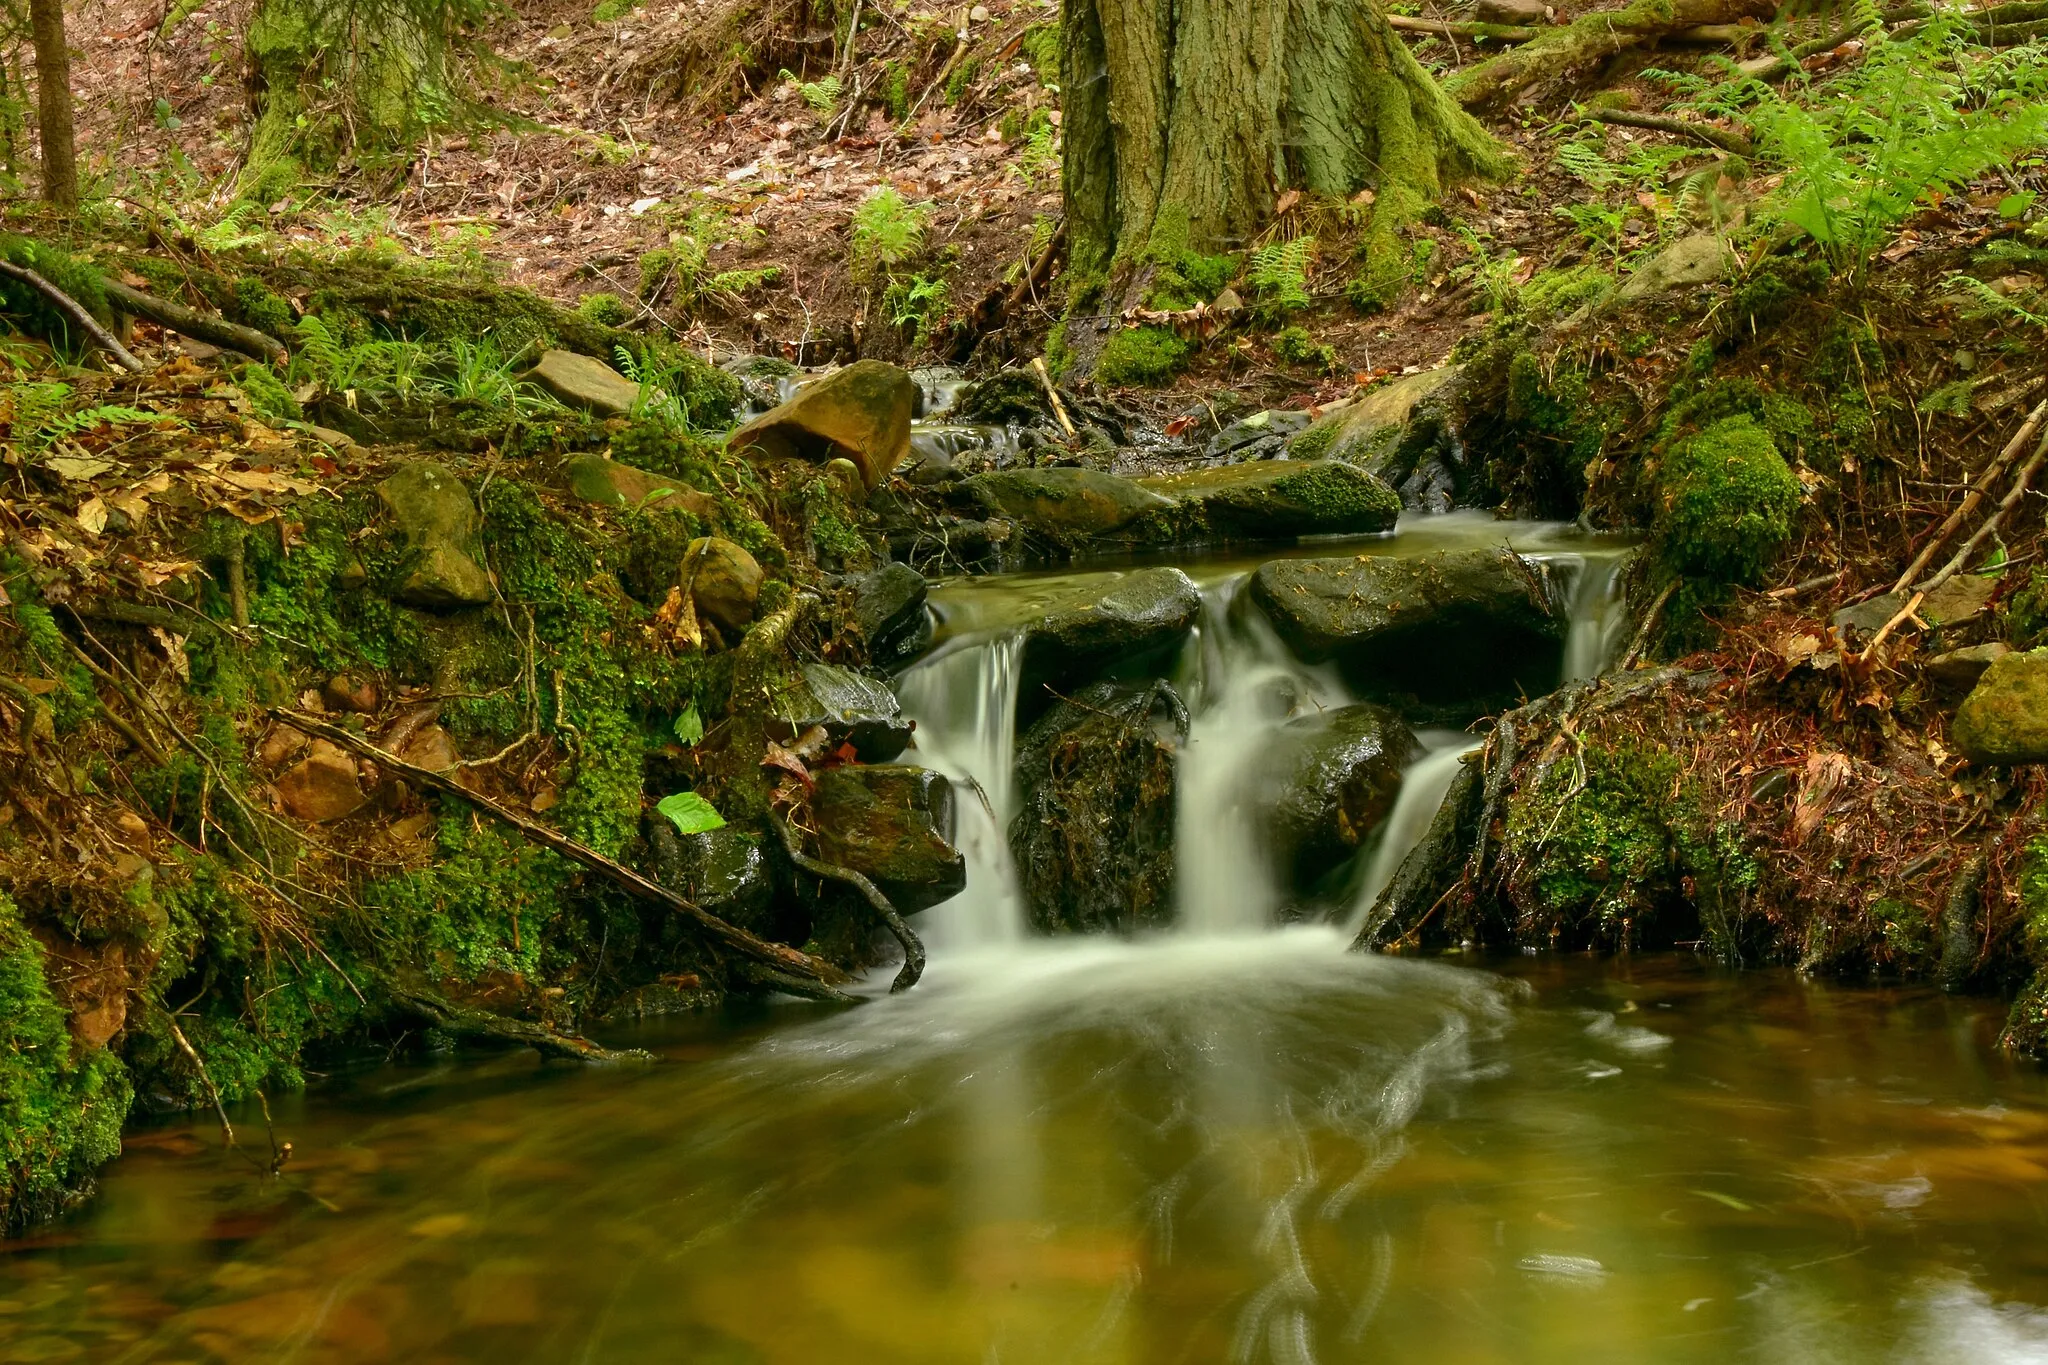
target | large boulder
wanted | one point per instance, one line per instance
(432, 509)
(725, 581)
(889, 608)
(1403, 434)
(1140, 617)
(1279, 499)
(1441, 634)
(894, 824)
(1332, 777)
(605, 482)
(861, 413)
(585, 382)
(852, 708)
(2005, 718)
(1093, 837)
(1067, 505)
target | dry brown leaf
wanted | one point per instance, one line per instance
(92, 516)
(1824, 775)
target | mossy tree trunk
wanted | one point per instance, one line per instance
(53, 102)
(1184, 123)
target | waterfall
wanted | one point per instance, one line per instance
(964, 701)
(1422, 791)
(1597, 615)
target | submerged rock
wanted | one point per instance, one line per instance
(894, 824)
(854, 709)
(861, 413)
(725, 582)
(1333, 777)
(2004, 720)
(585, 382)
(1279, 500)
(1069, 505)
(889, 608)
(1093, 837)
(1468, 628)
(1142, 616)
(440, 523)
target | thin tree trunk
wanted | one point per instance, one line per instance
(53, 102)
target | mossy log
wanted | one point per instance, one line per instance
(1591, 38)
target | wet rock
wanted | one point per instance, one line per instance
(723, 870)
(1093, 837)
(607, 483)
(2004, 720)
(1360, 432)
(1261, 436)
(1702, 258)
(1439, 634)
(1404, 434)
(725, 582)
(893, 823)
(761, 378)
(432, 508)
(1279, 500)
(1333, 776)
(323, 786)
(1142, 616)
(861, 412)
(1012, 398)
(1959, 670)
(853, 709)
(1067, 505)
(585, 382)
(889, 608)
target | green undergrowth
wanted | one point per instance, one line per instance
(1142, 357)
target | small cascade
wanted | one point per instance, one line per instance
(1598, 617)
(1422, 791)
(1240, 684)
(939, 446)
(964, 701)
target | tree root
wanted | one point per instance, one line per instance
(913, 950)
(193, 323)
(779, 957)
(478, 1025)
(75, 313)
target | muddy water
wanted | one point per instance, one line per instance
(1256, 1149)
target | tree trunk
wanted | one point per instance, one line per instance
(53, 103)
(1183, 123)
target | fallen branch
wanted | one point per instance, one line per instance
(913, 950)
(1984, 532)
(1591, 38)
(1059, 409)
(1464, 28)
(193, 323)
(75, 312)
(1976, 495)
(1650, 619)
(465, 1021)
(821, 975)
(1734, 143)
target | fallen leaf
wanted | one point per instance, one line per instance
(92, 516)
(77, 467)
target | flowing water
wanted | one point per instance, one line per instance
(1228, 1143)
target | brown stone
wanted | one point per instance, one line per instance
(281, 746)
(604, 481)
(323, 787)
(724, 581)
(861, 413)
(345, 692)
(431, 748)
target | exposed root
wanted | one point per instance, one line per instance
(913, 949)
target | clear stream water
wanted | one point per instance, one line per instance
(1230, 1143)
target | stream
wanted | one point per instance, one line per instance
(1232, 1141)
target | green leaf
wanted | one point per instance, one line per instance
(691, 813)
(2016, 205)
(689, 726)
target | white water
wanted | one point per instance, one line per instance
(1422, 791)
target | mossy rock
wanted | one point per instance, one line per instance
(889, 608)
(1281, 499)
(607, 483)
(1067, 505)
(2004, 720)
(1134, 623)
(893, 823)
(1012, 398)
(1142, 357)
(1332, 777)
(432, 508)
(1726, 501)
(861, 413)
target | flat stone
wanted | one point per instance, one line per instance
(1523, 13)
(328, 436)
(889, 608)
(854, 709)
(1959, 670)
(585, 382)
(2004, 720)
(605, 482)
(1260, 436)
(893, 823)
(432, 508)
(323, 786)
(861, 413)
(725, 581)
(432, 748)
(1067, 504)
(1470, 627)
(1139, 617)
(1281, 499)
(1699, 259)
(1960, 600)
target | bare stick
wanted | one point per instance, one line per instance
(1059, 409)
(1463, 28)
(913, 950)
(193, 323)
(1650, 619)
(227, 1130)
(1976, 495)
(779, 956)
(1983, 533)
(1734, 143)
(73, 310)
(1905, 613)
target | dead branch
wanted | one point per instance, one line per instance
(1733, 143)
(75, 312)
(1591, 38)
(482, 1025)
(1464, 28)
(913, 950)
(1976, 495)
(1649, 626)
(191, 322)
(821, 974)
(1984, 532)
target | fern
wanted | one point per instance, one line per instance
(229, 234)
(1988, 302)
(822, 96)
(1279, 273)
(54, 429)
(887, 231)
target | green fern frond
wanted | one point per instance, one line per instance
(1278, 273)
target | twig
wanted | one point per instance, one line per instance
(779, 956)
(1983, 533)
(1464, 28)
(1976, 496)
(1059, 409)
(913, 950)
(192, 323)
(1806, 585)
(1650, 619)
(1734, 143)
(75, 311)
(227, 1130)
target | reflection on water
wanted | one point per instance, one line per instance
(1249, 1148)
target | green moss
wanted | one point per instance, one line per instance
(61, 1108)
(255, 304)
(963, 76)
(1295, 346)
(607, 310)
(1726, 501)
(267, 393)
(1771, 292)
(1040, 46)
(1552, 294)
(1181, 276)
(27, 307)
(1314, 443)
(896, 91)
(1141, 357)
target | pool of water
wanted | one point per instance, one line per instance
(1196, 1149)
